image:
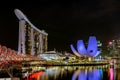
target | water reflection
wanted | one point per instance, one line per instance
(75, 73)
(111, 74)
(34, 76)
(95, 74)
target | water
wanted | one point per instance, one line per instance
(75, 73)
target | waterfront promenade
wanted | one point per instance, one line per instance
(12, 62)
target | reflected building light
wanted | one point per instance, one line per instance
(53, 71)
(82, 76)
(111, 74)
(95, 74)
(75, 75)
(35, 75)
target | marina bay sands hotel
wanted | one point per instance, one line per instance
(32, 40)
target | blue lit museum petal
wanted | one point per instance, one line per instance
(74, 51)
(92, 46)
(81, 47)
(98, 52)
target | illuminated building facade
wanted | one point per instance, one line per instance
(100, 45)
(31, 40)
(91, 51)
(113, 47)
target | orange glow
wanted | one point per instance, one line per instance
(35, 76)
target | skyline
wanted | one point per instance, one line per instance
(64, 22)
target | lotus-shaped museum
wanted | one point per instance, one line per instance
(90, 51)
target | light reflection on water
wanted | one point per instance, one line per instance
(95, 74)
(75, 73)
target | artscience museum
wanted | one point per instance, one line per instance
(89, 50)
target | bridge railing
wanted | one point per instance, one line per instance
(9, 56)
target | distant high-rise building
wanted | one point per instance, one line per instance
(99, 43)
(113, 47)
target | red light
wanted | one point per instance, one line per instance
(35, 75)
(110, 43)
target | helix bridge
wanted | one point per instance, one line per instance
(10, 59)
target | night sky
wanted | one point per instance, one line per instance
(65, 22)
